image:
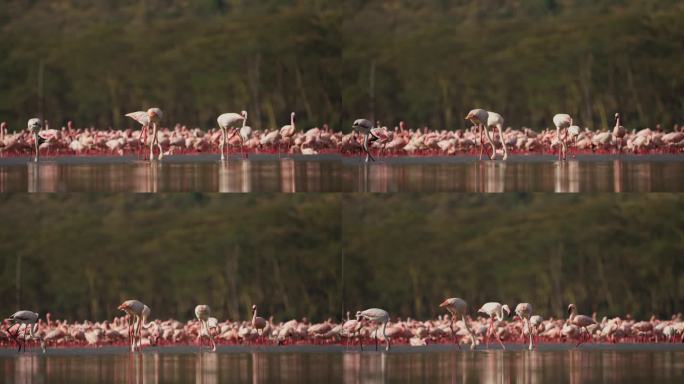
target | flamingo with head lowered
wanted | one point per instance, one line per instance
(228, 121)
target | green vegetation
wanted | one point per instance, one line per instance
(424, 61)
(81, 255)
(194, 59)
(434, 60)
(613, 254)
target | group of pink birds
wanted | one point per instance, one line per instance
(487, 134)
(136, 329)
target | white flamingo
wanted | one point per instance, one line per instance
(364, 126)
(495, 310)
(457, 307)
(287, 131)
(144, 120)
(618, 132)
(227, 121)
(524, 311)
(379, 317)
(480, 117)
(203, 314)
(580, 321)
(34, 126)
(138, 314)
(494, 120)
(561, 121)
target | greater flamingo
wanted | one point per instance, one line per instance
(152, 117)
(364, 127)
(457, 307)
(258, 323)
(144, 120)
(618, 132)
(561, 121)
(203, 314)
(580, 321)
(524, 311)
(494, 120)
(227, 121)
(34, 126)
(287, 131)
(29, 320)
(480, 117)
(379, 317)
(138, 314)
(494, 310)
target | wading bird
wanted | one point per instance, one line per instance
(561, 121)
(494, 310)
(364, 127)
(227, 121)
(480, 117)
(29, 321)
(203, 313)
(524, 311)
(580, 321)
(379, 317)
(619, 133)
(494, 120)
(258, 323)
(458, 308)
(138, 313)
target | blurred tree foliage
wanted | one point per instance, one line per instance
(82, 255)
(430, 61)
(194, 59)
(424, 61)
(613, 254)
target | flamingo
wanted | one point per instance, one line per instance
(287, 131)
(561, 121)
(138, 314)
(258, 323)
(144, 120)
(203, 313)
(494, 120)
(457, 307)
(494, 310)
(34, 126)
(227, 121)
(524, 311)
(365, 126)
(29, 320)
(480, 117)
(378, 316)
(580, 321)
(244, 134)
(618, 132)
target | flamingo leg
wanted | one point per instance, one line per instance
(481, 140)
(377, 328)
(365, 148)
(491, 142)
(35, 144)
(223, 143)
(503, 142)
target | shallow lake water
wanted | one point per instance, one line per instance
(403, 364)
(333, 173)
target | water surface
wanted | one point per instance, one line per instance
(403, 364)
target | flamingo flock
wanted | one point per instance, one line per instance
(492, 322)
(487, 135)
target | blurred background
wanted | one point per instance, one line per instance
(194, 59)
(319, 255)
(430, 61)
(422, 61)
(79, 256)
(609, 253)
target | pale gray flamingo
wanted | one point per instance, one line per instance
(29, 320)
(524, 311)
(203, 314)
(227, 121)
(494, 310)
(379, 317)
(138, 313)
(561, 121)
(258, 323)
(457, 307)
(619, 133)
(494, 120)
(364, 127)
(480, 117)
(580, 321)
